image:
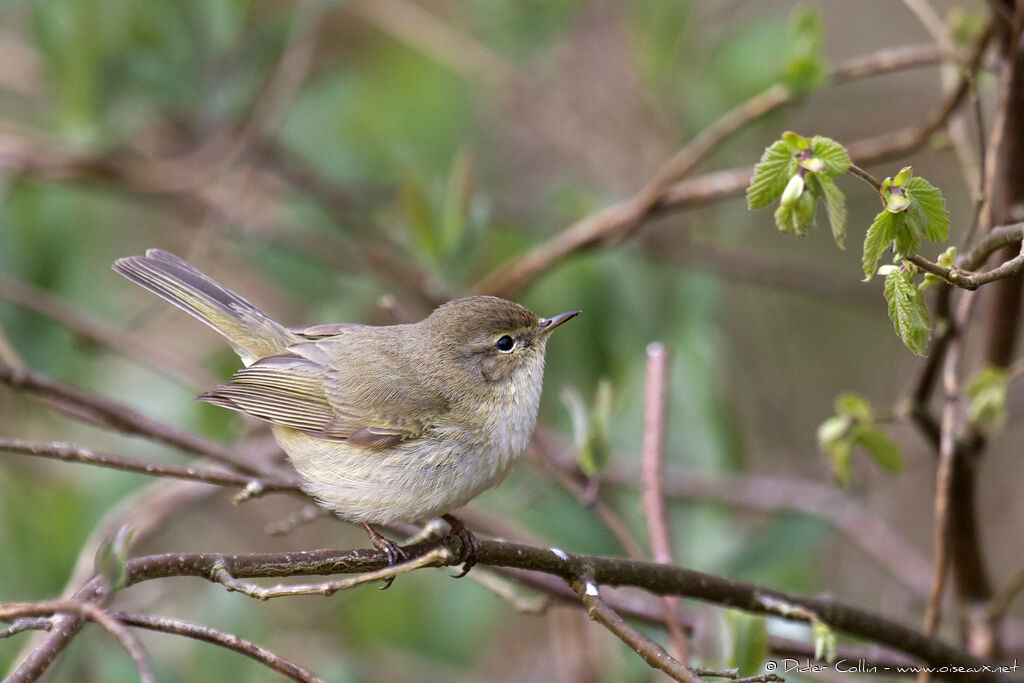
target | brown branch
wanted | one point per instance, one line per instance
(103, 412)
(26, 624)
(652, 653)
(131, 344)
(621, 219)
(618, 221)
(229, 641)
(91, 612)
(652, 457)
(71, 453)
(656, 578)
(949, 429)
(960, 276)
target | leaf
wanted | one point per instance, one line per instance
(880, 235)
(797, 217)
(834, 442)
(947, 259)
(455, 207)
(794, 188)
(832, 430)
(877, 444)
(795, 141)
(750, 641)
(854, 405)
(805, 67)
(590, 430)
(771, 175)
(824, 641)
(908, 311)
(906, 240)
(417, 213)
(835, 208)
(112, 556)
(930, 200)
(987, 390)
(903, 176)
(832, 154)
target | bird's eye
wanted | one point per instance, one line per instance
(505, 344)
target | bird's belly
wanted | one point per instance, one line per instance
(410, 482)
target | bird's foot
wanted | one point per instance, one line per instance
(392, 551)
(470, 544)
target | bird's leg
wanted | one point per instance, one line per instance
(395, 555)
(469, 543)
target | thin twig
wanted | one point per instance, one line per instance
(652, 653)
(68, 452)
(27, 624)
(652, 459)
(131, 344)
(967, 280)
(944, 476)
(866, 177)
(230, 641)
(106, 413)
(91, 612)
(621, 219)
(618, 221)
(436, 557)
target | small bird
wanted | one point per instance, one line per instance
(384, 424)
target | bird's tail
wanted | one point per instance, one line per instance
(252, 333)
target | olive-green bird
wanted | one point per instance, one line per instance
(398, 423)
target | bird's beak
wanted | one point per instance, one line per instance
(546, 325)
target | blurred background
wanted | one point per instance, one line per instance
(360, 161)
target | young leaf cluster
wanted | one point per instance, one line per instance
(914, 209)
(854, 425)
(798, 172)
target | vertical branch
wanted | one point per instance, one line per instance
(948, 473)
(652, 467)
(652, 454)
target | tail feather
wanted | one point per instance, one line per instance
(252, 333)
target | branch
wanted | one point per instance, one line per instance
(85, 610)
(110, 415)
(656, 578)
(959, 277)
(650, 651)
(621, 219)
(230, 641)
(71, 453)
(652, 457)
(131, 344)
(618, 221)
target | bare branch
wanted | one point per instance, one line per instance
(230, 641)
(650, 651)
(437, 557)
(652, 457)
(131, 344)
(71, 453)
(85, 610)
(621, 219)
(27, 624)
(106, 413)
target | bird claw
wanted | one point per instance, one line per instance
(392, 551)
(470, 544)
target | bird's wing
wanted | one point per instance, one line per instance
(324, 392)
